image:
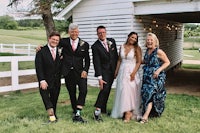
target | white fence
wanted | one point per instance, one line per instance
(14, 73)
(25, 49)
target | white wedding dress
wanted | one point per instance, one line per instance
(127, 96)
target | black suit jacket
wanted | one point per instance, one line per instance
(46, 68)
(78, 60)
(104, 62)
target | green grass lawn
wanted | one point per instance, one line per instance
(191, 55)
(25, 113)
(23, 65)
(35, 37)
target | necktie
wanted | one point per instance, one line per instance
(53, 53)
(106, 46)
(73, 45)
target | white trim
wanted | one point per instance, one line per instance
(68, 9)
(140, 8)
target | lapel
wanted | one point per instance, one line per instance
(69, 45)
(49, 56)
(78, 46)
(103, 48)
(57, 55)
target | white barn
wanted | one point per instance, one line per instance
(165, 18)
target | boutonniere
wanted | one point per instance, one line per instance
(109, 43)
(81, 43)
(60, 51)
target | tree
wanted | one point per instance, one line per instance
(44, 8)
(7, 22)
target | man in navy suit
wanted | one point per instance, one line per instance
(48, 66)
(76, 63)
(105, 58)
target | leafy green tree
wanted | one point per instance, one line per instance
(61, 25)
(191, 30)
(7, 22)
(190, 27)
(44, 8)
(30, 23)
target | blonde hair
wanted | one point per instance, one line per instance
(155, 38)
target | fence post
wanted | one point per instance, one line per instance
(29, 49)
(14, 49)
(1, 47)
(14, 70)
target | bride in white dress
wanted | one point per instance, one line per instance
(127, 96)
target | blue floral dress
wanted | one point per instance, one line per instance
(153, 88)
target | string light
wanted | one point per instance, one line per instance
(140, 20)
(155, 24)
(154, 21)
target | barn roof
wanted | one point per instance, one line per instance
(179, 12)
(67, 11)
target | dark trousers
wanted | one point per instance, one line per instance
(71, 81)
(103, 95)
(50, 97)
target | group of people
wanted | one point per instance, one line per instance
(69, 57)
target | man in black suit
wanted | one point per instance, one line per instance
(48, 65)
(76, 62)
(105, 57)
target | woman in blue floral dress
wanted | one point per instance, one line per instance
(153, 91)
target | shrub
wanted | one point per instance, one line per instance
(7, 22)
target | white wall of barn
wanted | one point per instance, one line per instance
(115, 15)
(118, 17)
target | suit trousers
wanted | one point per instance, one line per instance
(103, 95)
(72, 80)
(50, 97)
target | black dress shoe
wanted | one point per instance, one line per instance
(108, 113)
(97, 118)
(78, 119)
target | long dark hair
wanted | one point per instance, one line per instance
(135, 45)
(130, 34)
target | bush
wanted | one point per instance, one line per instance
(30, 23)
(61, 25)
(192, 39)
(7, 22)
(12, 25)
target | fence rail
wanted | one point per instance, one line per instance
(14, 73)
(25, 49)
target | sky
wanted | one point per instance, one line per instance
(4, 10)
